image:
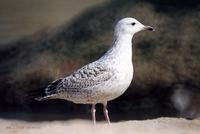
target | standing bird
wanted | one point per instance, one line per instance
(102, 80)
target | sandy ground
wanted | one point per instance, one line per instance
(155, 126)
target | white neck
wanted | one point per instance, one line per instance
(121, 48)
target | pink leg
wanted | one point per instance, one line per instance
(105, 111)
(93, 111)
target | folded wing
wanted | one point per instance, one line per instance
(86, 77)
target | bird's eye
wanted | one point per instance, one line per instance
(133, 23)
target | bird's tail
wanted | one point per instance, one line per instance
(45, 97)
(41, 98)
(50, 91)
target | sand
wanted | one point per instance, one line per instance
(154, 126)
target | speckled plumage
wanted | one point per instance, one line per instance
(80, 85)
(96, 82)
(102, 80)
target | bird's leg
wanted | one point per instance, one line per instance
(93, 111)
(105, 111)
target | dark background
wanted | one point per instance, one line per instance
(167, 70)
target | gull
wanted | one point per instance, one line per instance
(104, 79)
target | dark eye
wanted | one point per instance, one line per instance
(133, 23)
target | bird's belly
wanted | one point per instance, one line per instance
(121, 83)
(104, 92)
(107, 92)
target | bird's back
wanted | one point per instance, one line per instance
(93, 83)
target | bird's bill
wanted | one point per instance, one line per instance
(149, 28)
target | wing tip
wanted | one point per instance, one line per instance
(42, 98)
(45, 97)
(51, 88)
(39, 98)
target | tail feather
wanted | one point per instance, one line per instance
(50, 90)
(45, 97)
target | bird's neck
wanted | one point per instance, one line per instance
(121, 48)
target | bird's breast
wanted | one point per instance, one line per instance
(125, 73)
(123, 77)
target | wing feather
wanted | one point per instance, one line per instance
(87, 76)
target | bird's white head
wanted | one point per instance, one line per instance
(130, 26)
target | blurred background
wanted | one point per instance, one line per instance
(43, 40)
